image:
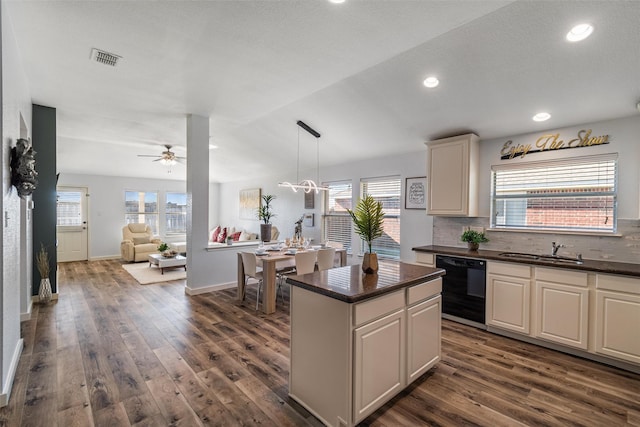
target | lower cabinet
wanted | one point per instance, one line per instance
(424, 331)
(508, 297)
(379, 363)
(562, 307)
(618, 317)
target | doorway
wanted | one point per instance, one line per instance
(71, 224)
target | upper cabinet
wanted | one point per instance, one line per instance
(452, 170)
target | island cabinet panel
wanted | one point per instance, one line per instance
(426, 258)
(424, 328)
(379, 363)
(453, 176)
(562, 307)
(618, 317)
(508, 297)
(350, 358)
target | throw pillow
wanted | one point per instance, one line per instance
(244, 236)
(222, 237)
(141, 240)
(215, 233)
(236, 236)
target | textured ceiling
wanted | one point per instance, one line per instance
(351, 71)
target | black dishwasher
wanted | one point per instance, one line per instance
(463, 289)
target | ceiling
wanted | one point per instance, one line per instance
(352, 71)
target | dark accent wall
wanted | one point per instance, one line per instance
(43, 123)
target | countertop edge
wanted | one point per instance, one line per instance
(608, 267)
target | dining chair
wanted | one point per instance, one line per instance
(335, 245)
(305, 262)
(326, 258)
(251, 271)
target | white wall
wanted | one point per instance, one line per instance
(106, 207)
(16, 101)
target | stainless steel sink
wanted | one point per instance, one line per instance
(547, 258)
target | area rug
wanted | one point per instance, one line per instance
(146, 275)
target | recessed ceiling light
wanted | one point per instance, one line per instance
(541, 117)
(431, 82)
(579, 32)
(337, 1)
(212, 147)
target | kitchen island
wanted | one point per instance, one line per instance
(357, 340)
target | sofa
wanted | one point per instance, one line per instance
(138, 243)
(218, 236)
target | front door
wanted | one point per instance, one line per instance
(72, 225)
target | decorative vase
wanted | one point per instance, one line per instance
(265, 232)
(44, 294)
(370, 263)
(473, 246)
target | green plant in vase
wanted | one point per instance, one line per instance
(265, 213)
(368, 219)
(473, 239)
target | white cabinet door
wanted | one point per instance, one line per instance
(618, 325)
(508, 302)
(423, 337)
(453, 176)
(379, 363)
(562, 313)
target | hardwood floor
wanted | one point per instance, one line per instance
(111, 352)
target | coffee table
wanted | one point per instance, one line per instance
(163, 262)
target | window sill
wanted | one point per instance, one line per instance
(564, 232)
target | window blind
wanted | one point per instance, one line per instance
(386, 190)
(336, 219)
(571, 194)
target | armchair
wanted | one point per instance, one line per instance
(138, 242)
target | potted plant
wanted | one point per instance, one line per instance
(165, 250)
(42, 263)
(368, 219)
(265, 214)
(473, 239)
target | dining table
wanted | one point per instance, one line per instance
(270, 260)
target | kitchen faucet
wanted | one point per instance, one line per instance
(554, 250)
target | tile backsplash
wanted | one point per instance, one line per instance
(624, 248)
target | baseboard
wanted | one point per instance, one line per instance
(27, 315)
(36, 298)
(8, 384)
(104, 258)
(211, 288)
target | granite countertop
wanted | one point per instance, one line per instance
(350, 284)
(609, 267)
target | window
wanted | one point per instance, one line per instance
(176, 213)
(386, 190)
(336, 219)
(142, 207)
(568, 195)
(69, 208)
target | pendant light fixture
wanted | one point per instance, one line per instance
(307, 185)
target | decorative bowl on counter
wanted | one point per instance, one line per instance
(169, 254)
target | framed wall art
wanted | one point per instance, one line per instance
(309, 200)
(415, 193)
(249, 203)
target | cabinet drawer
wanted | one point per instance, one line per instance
(509, 269)
(558, 275)
(425, 258)
(618, 283)
(424, 290)
(377, 307)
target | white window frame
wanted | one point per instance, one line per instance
(558, 178)
(142, 215)
(168, 214)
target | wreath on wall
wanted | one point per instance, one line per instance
(23, 172)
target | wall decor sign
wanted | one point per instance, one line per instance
(249, 203)
(415, 193)
(551, 142)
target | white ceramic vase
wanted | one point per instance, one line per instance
(44, 294)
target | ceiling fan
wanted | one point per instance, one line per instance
(167, 157)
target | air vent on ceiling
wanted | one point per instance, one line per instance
(105, 58)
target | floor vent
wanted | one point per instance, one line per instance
(105, 58)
